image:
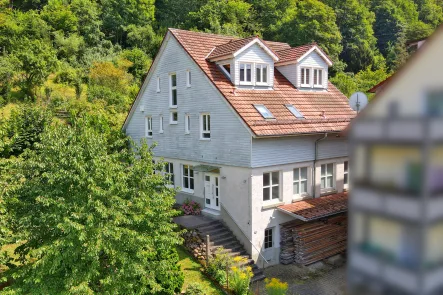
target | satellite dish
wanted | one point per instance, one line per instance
(358, 101)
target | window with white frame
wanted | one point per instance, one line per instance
(327, 176)
(160, 121)
(158, 84)
(264, 111)
(169, 172)
(269, 238)
(305, 77)
(261, 73)
(173, 119)
(188, 178)
(318, 77)
(188, 78)
(300, 181)
(187, 123)
(346, 173)
(245, 73)
(148, 126)
(205, 126)
(173, 90)
(271, 188)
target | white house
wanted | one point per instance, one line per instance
(246, 127)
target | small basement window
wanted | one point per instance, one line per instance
(294, 111)
(264, 111)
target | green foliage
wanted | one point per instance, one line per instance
(7, 70)
(22, 130)
(58, 15)
(275, 287)
(311, 21)
(218, 265)
(35, 60)
(230, 17)
(240, 276)
(195, 289)
(94, 216)
(140, 62)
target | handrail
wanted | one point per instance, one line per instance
(232, 218)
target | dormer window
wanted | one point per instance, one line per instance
(294, 111)
(305, 77)
(261, 73)
(264, 111)
(318, 78)
(245, 73)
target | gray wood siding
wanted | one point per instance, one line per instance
(290, 72)
(230, 142)
(278, 151)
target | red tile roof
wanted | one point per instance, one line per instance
(310, 103)
(312, 209)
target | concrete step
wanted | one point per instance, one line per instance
(222, 240)
(258, 278)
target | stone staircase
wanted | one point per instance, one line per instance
(221, 236)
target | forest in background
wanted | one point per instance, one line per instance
(92, 55)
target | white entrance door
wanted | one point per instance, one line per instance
(212, 191)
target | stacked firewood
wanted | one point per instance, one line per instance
(312, 241)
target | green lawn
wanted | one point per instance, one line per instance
(192, 272)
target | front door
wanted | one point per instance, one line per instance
(212, 191)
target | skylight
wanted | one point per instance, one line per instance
(294, 111)
(264, 111)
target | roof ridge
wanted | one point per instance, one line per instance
(205, 33)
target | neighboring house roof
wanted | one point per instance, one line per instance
(293, 54)
(312, 104)
(234, 47)
(375, 88)
(312, 209)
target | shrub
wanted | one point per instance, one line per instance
(240, 277)
(218, 264)
(191, 208)
(195, 289)
(276, 287)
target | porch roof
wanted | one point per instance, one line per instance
(206, 168)
(312, 209)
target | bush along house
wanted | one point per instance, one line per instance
(250, 129)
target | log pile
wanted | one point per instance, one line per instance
(313, 241)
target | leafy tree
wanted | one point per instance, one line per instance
(311, 21)
(35, 61)
(87, 13)
(69, 48)
(172, 13)
(94, 216)
(145, 38)
(230, 17)
(140, 62)
(430, 12)
(113, 77)
(59, 16)
(345, 82)
(7, 70)
(270, 14)
(22, 130)
(355, 21)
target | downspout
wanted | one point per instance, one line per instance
(315, 159)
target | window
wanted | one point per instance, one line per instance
(158, 84)
(174, 118)
(187, 124)
(188, 78)
(269, 241)
(305, 76)
(294, 111)
(318, 77)
(188, 178)
(245, 73)
(264, 111)
(327, 175)
(161, 125)
(271, 185)
(300, 183)
(346, 170)
(169, 172)
(435, 104)
(205, 126)
(148, 126)
(261, 73)
(173, 90)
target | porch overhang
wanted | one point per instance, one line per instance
(313, 209)
(206, 168)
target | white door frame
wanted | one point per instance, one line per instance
(212, 191)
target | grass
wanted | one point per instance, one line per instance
(193, 273)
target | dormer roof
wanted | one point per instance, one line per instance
(296, 54)
(235, 47)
